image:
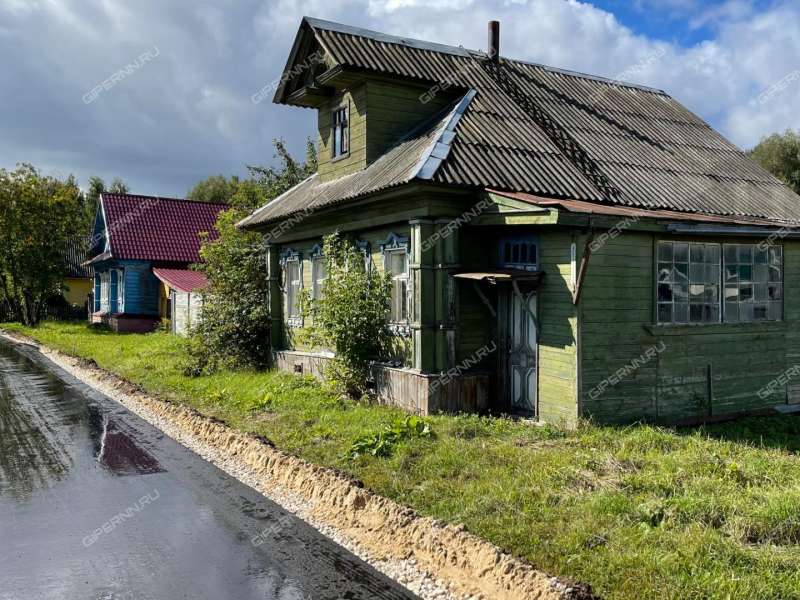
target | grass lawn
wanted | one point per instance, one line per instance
(636, 512)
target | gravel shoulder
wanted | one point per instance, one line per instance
(433, 560)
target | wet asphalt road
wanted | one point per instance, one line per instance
(97, 504)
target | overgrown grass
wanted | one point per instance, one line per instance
(636, 512)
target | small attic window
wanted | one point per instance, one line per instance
(341, 131)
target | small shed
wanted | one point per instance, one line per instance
(183, 290)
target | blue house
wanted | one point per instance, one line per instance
(140, 251)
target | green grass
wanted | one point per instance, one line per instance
(636, 512)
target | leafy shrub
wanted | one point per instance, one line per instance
(351, 316)
(383, 443)
(234, 329)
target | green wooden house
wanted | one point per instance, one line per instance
(561, 245)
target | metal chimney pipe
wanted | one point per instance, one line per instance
(494, 41)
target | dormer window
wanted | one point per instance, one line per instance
(341, 131)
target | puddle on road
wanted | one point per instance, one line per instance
(115, 449)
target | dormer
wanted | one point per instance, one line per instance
(361, 113)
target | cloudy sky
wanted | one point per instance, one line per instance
(186, 111)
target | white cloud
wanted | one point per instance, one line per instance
(188, 113)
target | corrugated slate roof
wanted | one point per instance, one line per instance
(540, 130)
(157, 229)
(77, 249)
(416, 156)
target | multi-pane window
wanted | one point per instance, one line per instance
(397, 267)
(319, 272)
(688, 282)
(710, 283)
(519, 254)
(293, 283)
(753, 283)
(341, 131)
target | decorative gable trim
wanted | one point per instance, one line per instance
(393, 242)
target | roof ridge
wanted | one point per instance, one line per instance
(161, 198)
(409, 42)
(387, 38)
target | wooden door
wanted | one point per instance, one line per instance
(521, 336)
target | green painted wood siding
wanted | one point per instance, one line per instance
(381, 113)
(557, 368)
(297, 338)
(683, 371)
(330, 168)
(558, 323)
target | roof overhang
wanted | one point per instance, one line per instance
(98, 259)
(736, 224)
(181, 280)
(501, 276)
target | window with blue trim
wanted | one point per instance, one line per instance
(519, 253)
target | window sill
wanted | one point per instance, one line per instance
(684, 328)
(340, 157)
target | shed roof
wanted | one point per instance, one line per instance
(182, 280)
(157, 229)
(556, 133)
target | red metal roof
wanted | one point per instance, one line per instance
(157, 229)
(182, 280)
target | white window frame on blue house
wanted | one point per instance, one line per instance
(400, 307)
(121, 290)
(105, 288)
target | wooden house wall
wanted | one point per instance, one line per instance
(297, 338)
(393, 109)
(696, 371)
(557, 388)
(141, 288)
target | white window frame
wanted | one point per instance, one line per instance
(317, 282)
(120, 290)
(105, 290)
(340, 131)
(763, 297)
(393, 245)
(295, 258)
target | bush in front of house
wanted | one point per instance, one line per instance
(351, 315)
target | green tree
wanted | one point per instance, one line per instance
(216, 189)
(119, 187)
(779, 154)
(97, 186)
(39, 215)
(234, 330)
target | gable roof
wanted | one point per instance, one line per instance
(156, 229)
(545, 131)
